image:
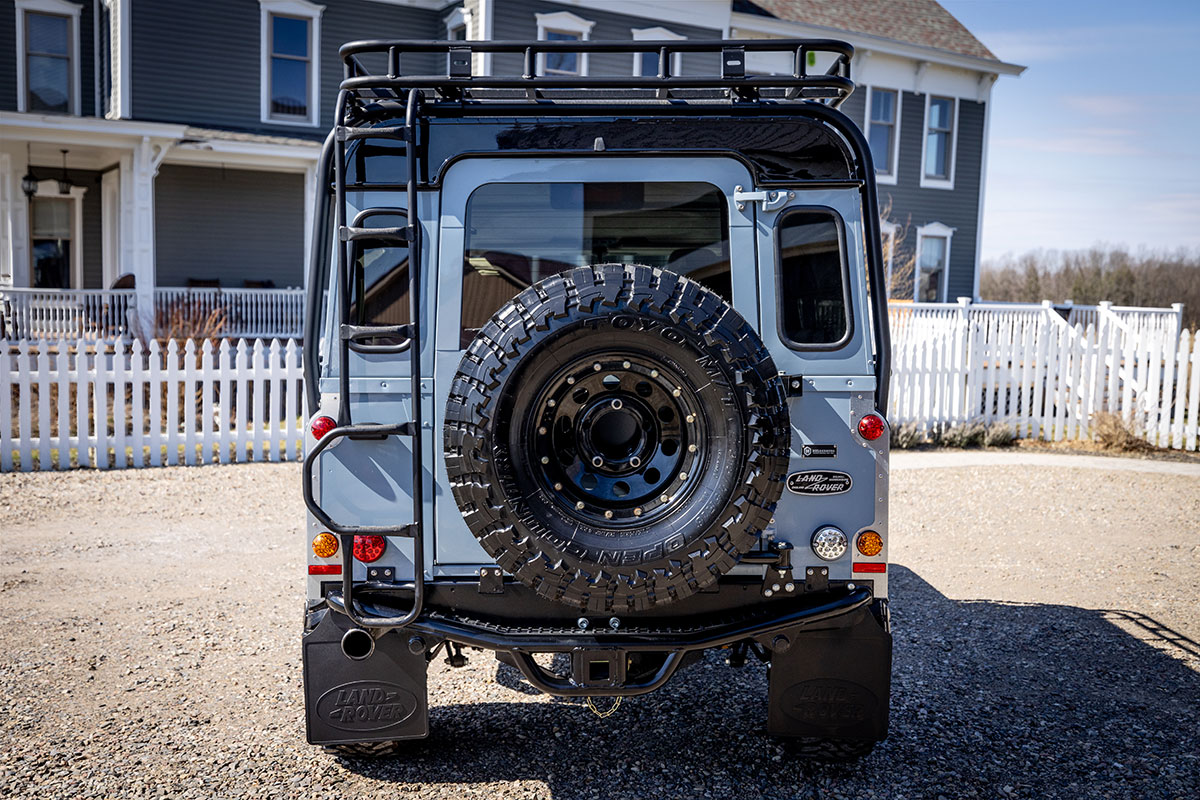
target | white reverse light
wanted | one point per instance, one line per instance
(829, 543)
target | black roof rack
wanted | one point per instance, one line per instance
(830, 87)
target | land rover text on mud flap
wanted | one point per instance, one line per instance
(596, 368)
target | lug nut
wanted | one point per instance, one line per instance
(608, 514)
(597, 461)
(683, 476)
(542, 430)
(545, 459)
(616, 404)
(579, 505)
(558, 487)
(665, 498)
(635, 462)
(691, 418)
(596, 366)
(551, 402)
(637, 512)
(676, 392)
(571, 381)
(691, 448)
(626, 364)
(653, 373)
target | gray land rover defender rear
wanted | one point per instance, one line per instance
(596, 368)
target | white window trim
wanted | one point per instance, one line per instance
(120, 101)
(49, 188)
(940, 183)
(61, 8)
(563, 22)
(888, 231)
(289, 8)
(933, 229)
(888, 178)
(458, 18)
(657, 34)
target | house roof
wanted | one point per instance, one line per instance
(919, 22)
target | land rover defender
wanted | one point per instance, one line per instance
(596, 369)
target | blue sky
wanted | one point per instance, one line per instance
(1099, 140)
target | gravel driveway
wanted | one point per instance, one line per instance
(1046, 646)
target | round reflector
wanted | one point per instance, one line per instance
(324, 545)
(829, 543)
(871, 427)
(369, 548)
(321, 426)
(869, 543)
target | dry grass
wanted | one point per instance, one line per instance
(1114, 432)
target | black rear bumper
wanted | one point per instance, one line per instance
(810, 640)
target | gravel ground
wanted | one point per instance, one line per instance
(1046, 646)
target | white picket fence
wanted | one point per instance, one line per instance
(120, 404)
(1031, 369)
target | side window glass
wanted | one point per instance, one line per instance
(379, 279)
(812, 290)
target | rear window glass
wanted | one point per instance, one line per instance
(812, 281)
(379, 279)
(518, 233)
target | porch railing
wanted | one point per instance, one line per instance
(105, 314)
(66, 313)
(234, 313)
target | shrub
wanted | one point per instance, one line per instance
(907, 436)
(971, 434)
(999, 434)
(1114, 432)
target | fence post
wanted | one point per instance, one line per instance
(1177, 309)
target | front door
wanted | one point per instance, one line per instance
(51, 237)
(508, 223)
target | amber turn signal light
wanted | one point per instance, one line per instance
(869, 543)
(324, 545)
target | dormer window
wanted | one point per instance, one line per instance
(563, 26)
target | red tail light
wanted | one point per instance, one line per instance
(321, 426)
(871, 427)
(369, 548)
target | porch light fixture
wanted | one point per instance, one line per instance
(29, 182)
(64, 183)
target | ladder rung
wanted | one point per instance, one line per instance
(355, 334)
(392, 236)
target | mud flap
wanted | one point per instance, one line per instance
(832, 682)
(378, 699)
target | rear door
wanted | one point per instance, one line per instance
(507, 223)
(814, 320)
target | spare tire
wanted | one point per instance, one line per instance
(616, 437)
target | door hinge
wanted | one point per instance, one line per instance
(770, 200)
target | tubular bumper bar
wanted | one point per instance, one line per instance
(522, 645)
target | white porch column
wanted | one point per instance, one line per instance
(138, 170)
(14, 220)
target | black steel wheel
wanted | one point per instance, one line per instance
(616, 436)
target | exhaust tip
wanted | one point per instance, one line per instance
(357, 644)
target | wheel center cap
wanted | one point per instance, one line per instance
(615, 431)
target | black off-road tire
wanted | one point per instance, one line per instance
(828, 750)
(638, 318)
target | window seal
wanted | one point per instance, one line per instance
(779, 325)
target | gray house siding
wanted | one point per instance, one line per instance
(913, 206)
(228, 225)
(515, 20)
(199, 63)
(8, 59)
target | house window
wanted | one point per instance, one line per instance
(457, 34)
(883, 131)
(50, 237)
(939, 142)
(456, 25)
(563, 26)
(291, 61)
(890, 241)
(933, 259)
(47, 56)
(645, 65)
